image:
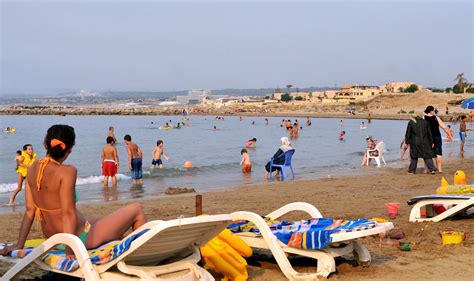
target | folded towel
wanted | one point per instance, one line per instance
(307, 234)
(102, 254)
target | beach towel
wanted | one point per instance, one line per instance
(309, 234)
(102, 254)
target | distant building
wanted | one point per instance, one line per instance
(354, 92)
(398, 87)
(194, 96)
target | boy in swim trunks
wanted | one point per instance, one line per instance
(156, 154)
(462, 132)
(110, 162)
(245, 162)
(135, 157)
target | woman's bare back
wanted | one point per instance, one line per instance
(48, 198)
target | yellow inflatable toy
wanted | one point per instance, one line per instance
(224, 254)
(459, 187)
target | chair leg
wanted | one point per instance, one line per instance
(283, 173)
(270, 172)
(291, 168)
(377, 160)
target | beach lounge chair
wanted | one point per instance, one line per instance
(288, 155)
(342, 243)
(461, 203)
(380, 148)
(158, 249)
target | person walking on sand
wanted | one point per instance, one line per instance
(135, 158)
(110, 162)
(111, 133)
(27, 158)
(245, 162)
(435, 123)
(156, 155)
(418, 137)
(50, 198)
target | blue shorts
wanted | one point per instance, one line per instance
(137, 168)
(462, 136)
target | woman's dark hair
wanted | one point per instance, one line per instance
(25, 147)
(62, 133)
(428, 109)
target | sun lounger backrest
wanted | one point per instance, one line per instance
(175, 237)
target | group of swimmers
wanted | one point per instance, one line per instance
(293, 129)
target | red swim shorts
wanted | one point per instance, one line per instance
(247, 168)
(109, 168)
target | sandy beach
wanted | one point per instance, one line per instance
(342, 197)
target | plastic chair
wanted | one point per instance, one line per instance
(288, 154)
(380, 147)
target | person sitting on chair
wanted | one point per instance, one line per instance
(278, 159)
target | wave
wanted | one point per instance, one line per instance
(9, 187)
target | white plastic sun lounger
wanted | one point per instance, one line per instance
(342, 243)
(461, 203)
(178, 239)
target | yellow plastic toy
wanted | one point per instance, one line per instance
(459, 186)
(224, 254)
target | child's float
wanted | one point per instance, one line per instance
(9, 130)
(459, 187)
(225, 254)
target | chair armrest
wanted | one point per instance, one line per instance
(312, 211)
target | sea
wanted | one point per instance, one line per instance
(215, 154)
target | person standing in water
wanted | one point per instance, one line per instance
(27, 158)
(135, 158)
(462, 132)
(157, 153)
(110, 162)
(245, 162)
(308, 121)
(111, 133)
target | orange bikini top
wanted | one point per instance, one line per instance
(43, 163)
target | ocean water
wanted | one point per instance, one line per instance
(214, 154)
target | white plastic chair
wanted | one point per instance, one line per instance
(380, 147)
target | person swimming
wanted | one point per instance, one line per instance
(251, 143)
(342, 135)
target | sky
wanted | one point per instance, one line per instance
(53, 46)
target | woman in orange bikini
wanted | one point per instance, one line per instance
(50, 197)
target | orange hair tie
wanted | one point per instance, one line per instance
(56, 142)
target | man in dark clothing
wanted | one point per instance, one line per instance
(418, 136)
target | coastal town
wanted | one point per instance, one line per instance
(393, 100)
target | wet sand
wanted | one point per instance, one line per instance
(342, 197)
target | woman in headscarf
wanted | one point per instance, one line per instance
(435, 123)
(418, 136)
(285, 146)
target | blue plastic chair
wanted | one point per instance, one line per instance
(287, 163)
